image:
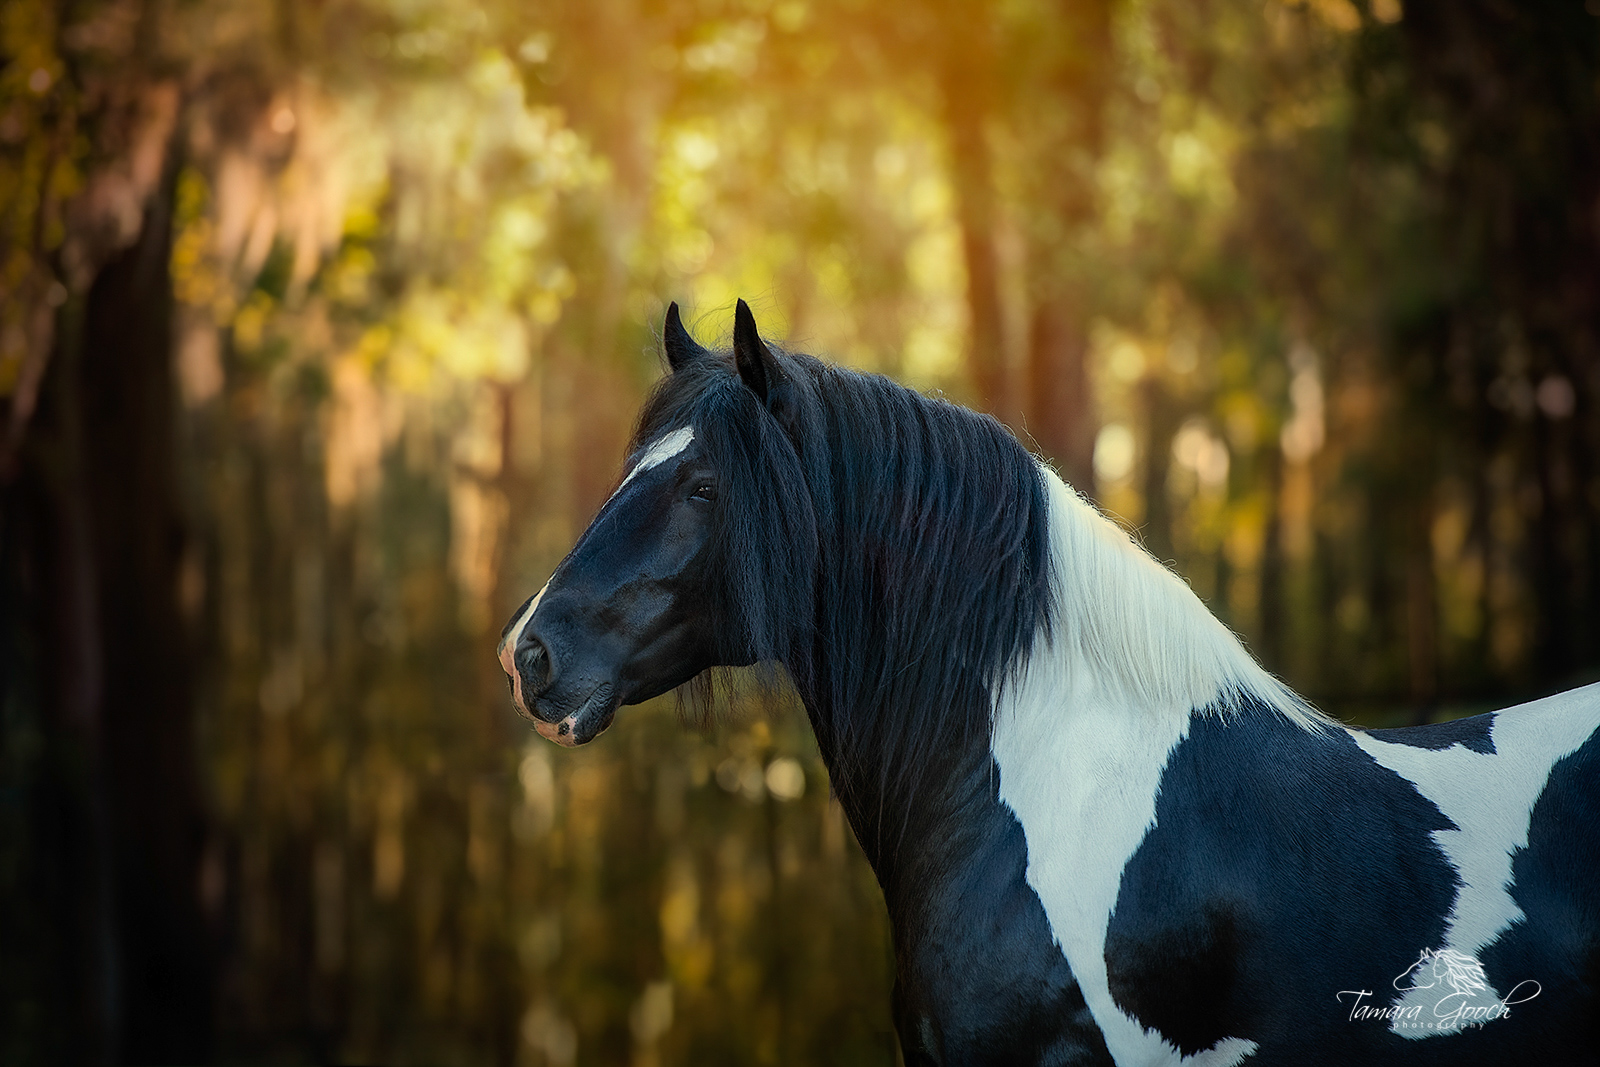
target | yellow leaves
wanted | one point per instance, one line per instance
(697, 149)
(1199, 161)
(27, 39)
(361, 221)
(931, 356)
(689, 953)
(1386, 11)
(1341, 14)
(534, 817)
(440, 331)
(348, 279)
(1114, 451)
(250, 323)
(651, 1015)
(689, 251)
(389, 842)
(730, 47)
(1203, 454)
(786, 778)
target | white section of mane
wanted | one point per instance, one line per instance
(1139, 627)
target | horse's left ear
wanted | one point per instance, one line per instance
(757, 365)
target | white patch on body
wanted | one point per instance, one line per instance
(1083, 733)
(1490, 798)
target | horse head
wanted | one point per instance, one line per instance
(644, 601)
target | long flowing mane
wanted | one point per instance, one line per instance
(900, 555)
(896, 561)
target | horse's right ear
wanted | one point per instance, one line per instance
(681, 348)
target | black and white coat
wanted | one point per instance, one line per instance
(1233, 879)
(1103, 832)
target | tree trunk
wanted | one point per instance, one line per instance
(101, 500)
(965, 84)
(1159, 417)
(1060, 407)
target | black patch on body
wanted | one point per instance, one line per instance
(1555, 880)
(1472, 732)
(1284, 867)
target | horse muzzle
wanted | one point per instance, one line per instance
(583, 725)
(535, 694)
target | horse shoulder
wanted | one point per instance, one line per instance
(980, 977)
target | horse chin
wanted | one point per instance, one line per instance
(583, 725)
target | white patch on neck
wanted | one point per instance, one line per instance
(1083, 733)
(665, 447)
(1490, 798)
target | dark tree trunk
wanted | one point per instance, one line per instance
(1513, 86)
(1422, 607)
(966, 86)
(1272, 620)
(98, 534)
(1060, 409)
(1159, 418)
(147, 715)
(1060, 415)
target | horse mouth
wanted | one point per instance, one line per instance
(583, 725)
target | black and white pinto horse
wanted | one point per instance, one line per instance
(1105, 834)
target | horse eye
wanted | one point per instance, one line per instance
(704, 492)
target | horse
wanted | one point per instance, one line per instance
(1104, 833)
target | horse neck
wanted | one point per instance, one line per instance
(910, 811)
(1128, 634)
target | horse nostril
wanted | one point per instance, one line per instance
(533, 663)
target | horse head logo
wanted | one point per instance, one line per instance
(1461, 973)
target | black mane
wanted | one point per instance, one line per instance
(889, 549)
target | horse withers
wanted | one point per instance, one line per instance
(1103, 832)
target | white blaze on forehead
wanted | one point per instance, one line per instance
(663, 449)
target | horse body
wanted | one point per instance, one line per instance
(1218, 864)
(1103, 832)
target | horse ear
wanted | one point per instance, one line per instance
(681, 348)
(757, 365)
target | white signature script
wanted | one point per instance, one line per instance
(1464, 995)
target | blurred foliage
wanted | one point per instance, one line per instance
(1305, 292)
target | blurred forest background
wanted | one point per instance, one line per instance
(321, 326)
